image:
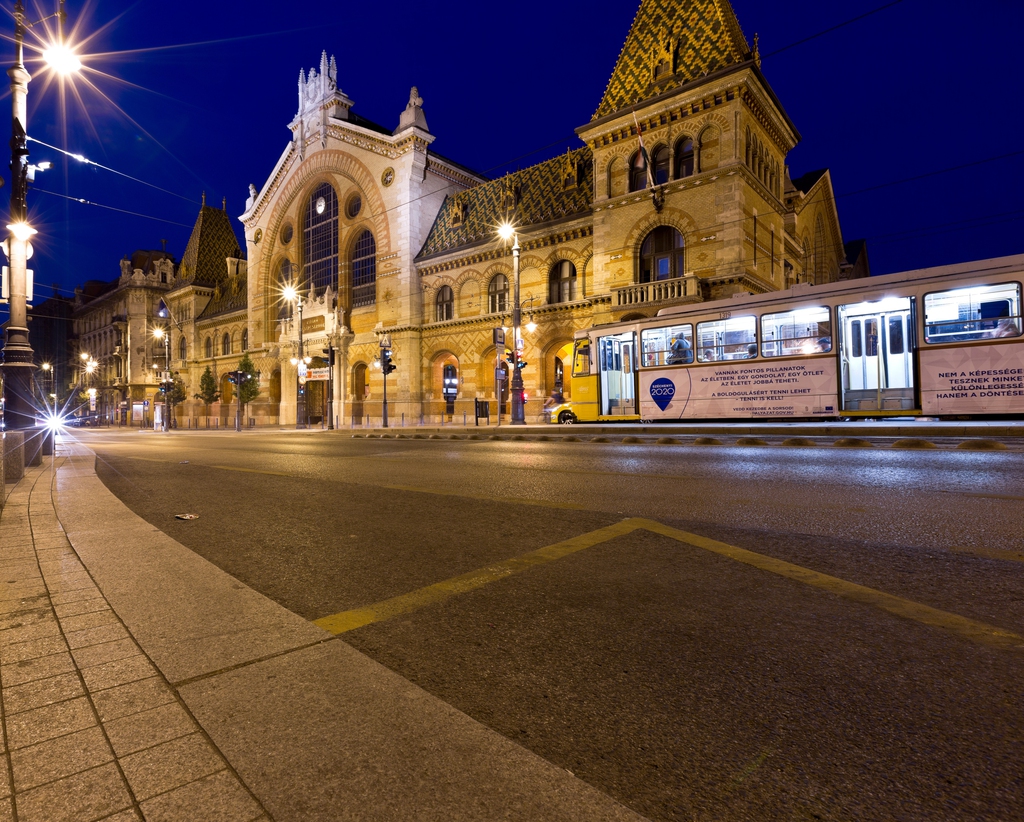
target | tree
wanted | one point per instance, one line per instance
(178, 395)
(250, 388)
(208, 392)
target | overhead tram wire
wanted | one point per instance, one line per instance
(831, 29)
(83, 201)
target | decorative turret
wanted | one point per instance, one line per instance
(413, 116)
(319, 98)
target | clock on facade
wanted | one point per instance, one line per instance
(321, 204)
(258, 235)
(388, 177)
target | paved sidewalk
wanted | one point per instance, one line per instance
(138, 681)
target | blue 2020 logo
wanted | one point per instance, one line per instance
(662, 392)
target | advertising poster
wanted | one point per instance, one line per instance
(753, 388)
(979, 379)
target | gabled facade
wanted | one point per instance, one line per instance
(680, 192)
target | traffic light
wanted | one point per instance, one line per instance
(521, 364)
(510, 358)
(386, 366)
(329, 354)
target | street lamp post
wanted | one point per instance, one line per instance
(507, 232)
(166, 382)
(17, 355)
(300, 362)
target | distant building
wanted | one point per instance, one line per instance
(113, 325)
(381, 234)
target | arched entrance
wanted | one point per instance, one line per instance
(316, 394)
(449, 387)
(359, 391)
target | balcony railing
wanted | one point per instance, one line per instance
(679, 290)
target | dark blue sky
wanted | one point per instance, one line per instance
(200, 92)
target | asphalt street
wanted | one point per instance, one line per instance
(701, 632)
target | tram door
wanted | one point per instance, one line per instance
(450, 388)
(617, 374)
(877, 356)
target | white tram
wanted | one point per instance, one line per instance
(938, 342)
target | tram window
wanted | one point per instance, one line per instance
(671, 345)
(795, 333)
(858, 348)
(581, 359)
(896, 335)
(978, 312)
(734, 338)
(871, 338)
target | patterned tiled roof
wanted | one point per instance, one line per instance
(230, 295)
(560, 188)
(682, 39)
(211, 243)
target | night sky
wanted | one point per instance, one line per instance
(915, 109)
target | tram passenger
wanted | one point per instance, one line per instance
(680, 353)
(1006, 327)
(709, 355)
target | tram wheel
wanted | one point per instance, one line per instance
(566, 418)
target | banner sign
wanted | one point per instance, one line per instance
(755, 388)
(980, 379)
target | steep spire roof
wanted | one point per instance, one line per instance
(211, 243)
(672, 42)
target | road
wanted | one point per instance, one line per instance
(702, 632)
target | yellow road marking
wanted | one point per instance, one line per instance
(970, 629)
(388, 608)
(543, 503)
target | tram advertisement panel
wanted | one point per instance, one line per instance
(977, 379)
(791, 388)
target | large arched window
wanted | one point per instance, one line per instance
(497, 294)
(684, 158)
(182, 349)
(320, 239)
(660, 162)
(637, 172)
(225, 344)
(562, 282)
(208, 347)
(364, 271)
(445, 303)
(661, 255)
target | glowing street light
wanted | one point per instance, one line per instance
(18, 365)
(291, 294)
(507, 232)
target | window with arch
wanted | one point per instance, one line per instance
(660, 162)
(245, 340)
(225, 344)
(562, 282)
(445, 304)
(637, 172)
(320, 239)
(364, 271)
(182, 349)
(661, 255)
(684, 158)
(208, 347)
(497, 294)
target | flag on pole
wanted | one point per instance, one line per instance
(643, 153)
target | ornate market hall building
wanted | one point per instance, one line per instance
(381, 235)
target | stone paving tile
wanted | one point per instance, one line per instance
(88, 795)
(59, 758)
(122, 816)
(42, 692)
(133, 698)
(32, 650)
(14, 606)
(95, 619)
(69, 582)
(21, 591)
(64, 597)
(84, 606)
(27, 616)
(92, 655)
(5, 782)
(170, 765)
(40, 724)
(37, 629)
(96, 636)
(6, 811)
(119, 672)
(148, 728)
(41, 667)
(220, 796)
